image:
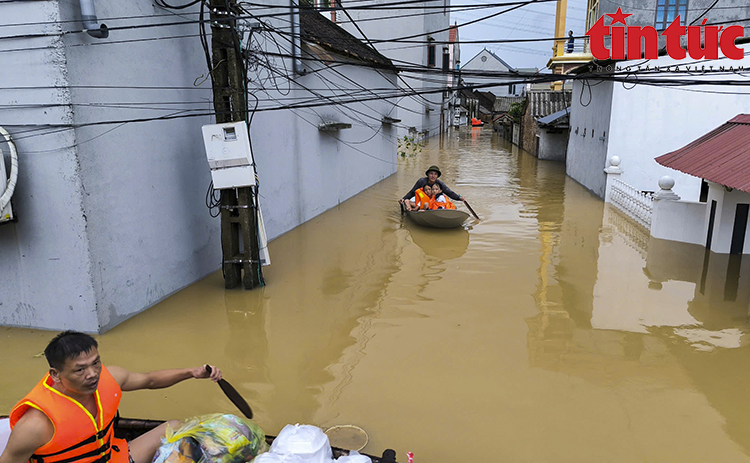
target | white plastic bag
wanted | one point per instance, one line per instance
(353, 457)
(302, 444)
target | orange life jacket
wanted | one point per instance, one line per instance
(78, 437)
(434, 204)
(421, 199)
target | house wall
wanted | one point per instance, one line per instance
(726, 206)
(421, 112)
(112, 218)
(688, 222)
(587, 155)
(682, 221)
(552, 146)
(485, 84)
(529, 132)
(45, 276)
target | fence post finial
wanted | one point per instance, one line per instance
(665, 184)
(613, 172)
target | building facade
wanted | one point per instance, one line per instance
(113, 175)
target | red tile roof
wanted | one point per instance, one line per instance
(453, 34)
(721, 156)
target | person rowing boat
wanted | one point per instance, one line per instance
(431, 178)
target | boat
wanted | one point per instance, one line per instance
(476, 122)
(438, 218)
(129, 429)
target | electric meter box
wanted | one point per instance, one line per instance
(229, 155)
(6, 215)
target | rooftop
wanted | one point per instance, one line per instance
(315, 28)
(545, 102)
(721, 156)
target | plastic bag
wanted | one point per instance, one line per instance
(302, 443)
(353, 457)
(183, 451)
(223, 438)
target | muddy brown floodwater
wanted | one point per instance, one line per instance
(553, 330)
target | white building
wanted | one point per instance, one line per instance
(486, 61)
(637, 123)
(111, 214)
(428, 22)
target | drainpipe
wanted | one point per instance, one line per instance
(296, 40)
(90, 24)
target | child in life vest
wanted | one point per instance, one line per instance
(421, 200)
(439, 200)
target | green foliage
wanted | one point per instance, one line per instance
(409, 146)
(516, 112)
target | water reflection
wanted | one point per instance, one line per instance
(441, 244)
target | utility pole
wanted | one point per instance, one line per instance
(239, 214)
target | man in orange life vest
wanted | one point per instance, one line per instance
(68, 416)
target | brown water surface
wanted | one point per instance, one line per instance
(553, 330)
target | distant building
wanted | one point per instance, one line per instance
(541, 135)
(486, 60)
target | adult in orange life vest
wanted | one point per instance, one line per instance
(439, 200)
(68, 416)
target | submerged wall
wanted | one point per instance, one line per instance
(111, 214)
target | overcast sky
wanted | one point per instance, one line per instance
(527, 22)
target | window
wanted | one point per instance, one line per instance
(667, 10)
(431, 55)
(446, 60)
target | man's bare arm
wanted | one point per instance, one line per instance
(32, 431)
(131, 381)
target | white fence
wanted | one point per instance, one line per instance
(633, 202)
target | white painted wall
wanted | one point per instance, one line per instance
(385, 23)
(112, 218)
(648, 121)
(490, 64)
(590, 113)
(683, 221)
(726, 206)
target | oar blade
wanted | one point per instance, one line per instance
(236, 398)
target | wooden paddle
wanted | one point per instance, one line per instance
(472, 210)
(234, 396)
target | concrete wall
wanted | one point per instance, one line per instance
(587, 154)
(552, 146)
(421, 112)
(682, 221)
(726, 206)
(112, 217)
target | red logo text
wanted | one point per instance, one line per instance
(643, 42)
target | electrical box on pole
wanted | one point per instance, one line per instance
(229, 155)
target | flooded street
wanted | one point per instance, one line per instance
(553, 330)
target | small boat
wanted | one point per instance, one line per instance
(129, 429)
(438, 218)
(476, 122)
